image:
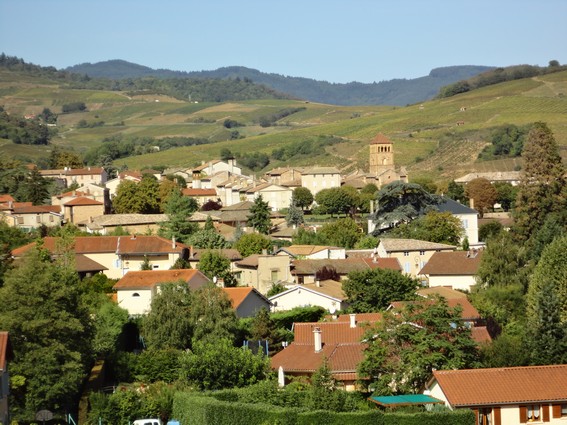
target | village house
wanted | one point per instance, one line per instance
(112, 184)
(89, 191)
(505, 396)
(202, 196)
(262, 271)
(81, 209)
(412, 254)
(81, 176)
(141, 224)
(6, 355)
(452, 269)
(313, 252)
(327, 294)
(467, 215)
(318, 178)
(285, 176)
(337, 342)
(119, 254)
(512, 177)
(278, 197)
(247, 301)
(307, 271)
(136, 289)
(27, 217)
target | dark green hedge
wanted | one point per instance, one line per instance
(457, 417)
(192, 409)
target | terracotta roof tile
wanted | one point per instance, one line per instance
(85, 264)
(144, 279)
(38, 209)
(468, 311)
(304, 250)
(199, 192)
(442, 291)
(456, 263)
(120, 244)
(380, 139)
(329, 287)
(331, 332)
(342, 358)
(238, 294)
(480, 334)
(82, 201)
(6, 198)
(343, 267)
(472, 387)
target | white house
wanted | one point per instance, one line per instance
(327, 294)
(468, 217)
(319, 178)
(136, 289)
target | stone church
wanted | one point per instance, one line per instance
(382, 168)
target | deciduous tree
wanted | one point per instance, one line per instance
(302, 197)
(374, 289)
(404, 348)
(252, 243)
(483, 193)
(169, 324)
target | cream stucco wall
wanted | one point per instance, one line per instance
(31, 221)
(300, 297)
(410, 261)
(118, 266)
(456, 282)
(277, 197)
(271, 269)
(136, 301)
(317, 182)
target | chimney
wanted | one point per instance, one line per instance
(173, 242)
(352, 320)
(191, 253)
(471, 203)
(317, 340)
(264, 251)
(318, 283)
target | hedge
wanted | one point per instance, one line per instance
(192, 409)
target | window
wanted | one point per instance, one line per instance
(406, 254)
(534, 414)
(20, 220)
(485, 416)
(274, 275)
(51, 218)
(564, 410)
(38, 218)
(135, 294)
(421, 252)
(407, 267)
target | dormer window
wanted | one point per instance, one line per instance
(135, 294)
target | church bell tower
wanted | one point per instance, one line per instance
(381, 155)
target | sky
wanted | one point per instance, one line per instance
(338, 41)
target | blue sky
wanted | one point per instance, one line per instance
(331, 40)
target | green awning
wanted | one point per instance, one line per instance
(404, 400)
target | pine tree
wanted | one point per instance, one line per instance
(259, 217)
(179, 209)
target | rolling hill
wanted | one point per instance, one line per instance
(394, 92)
(440, 138)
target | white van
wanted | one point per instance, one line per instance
(147, 422)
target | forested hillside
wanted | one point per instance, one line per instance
(394, 92)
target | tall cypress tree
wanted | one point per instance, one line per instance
(542, 189)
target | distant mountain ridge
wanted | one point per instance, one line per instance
(397, 92)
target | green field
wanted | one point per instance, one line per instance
(427, 137)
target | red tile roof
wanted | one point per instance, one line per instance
(473, 387)
(361, 317)
(82, 201)
(118, 244)
(331, 332)
(6, 198)
(37, 209)
(455, 263)
(145, 279)
(469, 312)
(380, 139)
(237, 295)
(480, 334)
(342, 359)
(344, 266)
(85, 264)
(199, 192)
